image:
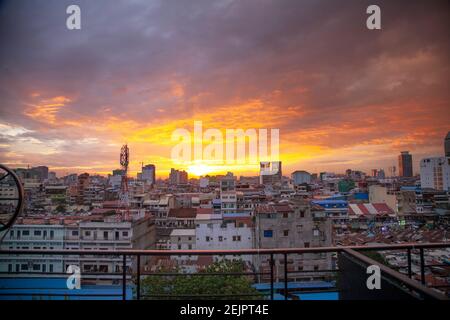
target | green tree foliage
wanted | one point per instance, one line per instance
(203, 286)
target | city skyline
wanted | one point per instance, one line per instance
(136, 72)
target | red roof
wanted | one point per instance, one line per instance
(183, 213)
(364, 209)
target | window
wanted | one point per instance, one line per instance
(103, 268)
(285, 233)
(316, 268)
(306, 244)
(220, 238)
(125, 233)
(302, 214)
(207, 239)
(285, 215)
(105, 234)
(25, 233)
(52, 234)
(190, 247)
(36, 267)
(179, 247)
(37, 232)
(268, 233)
(11, 234)
(51, 267)
(24, 267)
(75, 233)
(87, 233)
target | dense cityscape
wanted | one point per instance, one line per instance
(224, 154)
(224, 212)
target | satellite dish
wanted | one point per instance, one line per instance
(11, 197)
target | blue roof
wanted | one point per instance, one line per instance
(318, 296)
(277, 296)
(361, 195)
(43, 288)
(410, 188)
(330, 202)
(236, 215)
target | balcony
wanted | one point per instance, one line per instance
(270, 277)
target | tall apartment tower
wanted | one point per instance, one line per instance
(435, 173)
(270, 172)
(148, 174)
(405, 164)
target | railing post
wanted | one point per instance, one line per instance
(422, 266)
(124, 277)
(138, 285)
(409, 263)
(285, 277)
(271, 276)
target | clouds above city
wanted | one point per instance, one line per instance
(342, 96)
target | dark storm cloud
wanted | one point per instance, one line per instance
(315, 57)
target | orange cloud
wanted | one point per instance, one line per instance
(46, 109)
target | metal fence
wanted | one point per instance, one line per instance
(133, 276)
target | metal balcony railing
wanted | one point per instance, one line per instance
(126, 275)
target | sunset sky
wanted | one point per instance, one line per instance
(342, 96)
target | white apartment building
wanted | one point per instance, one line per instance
(435, 173)
(213, 233)
(228, 200)
(33, 237)
(89, 235)
(74, 233)
(182, 239)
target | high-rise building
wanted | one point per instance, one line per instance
(83, 184)
(228, 182)
(405, 164)
(178, 177)
(300, 177)
(40, 172)
(270, 172)
(148, 174)
(447, 145)
(228, 195)
(435, 173)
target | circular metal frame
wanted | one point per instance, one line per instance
(20, 198)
